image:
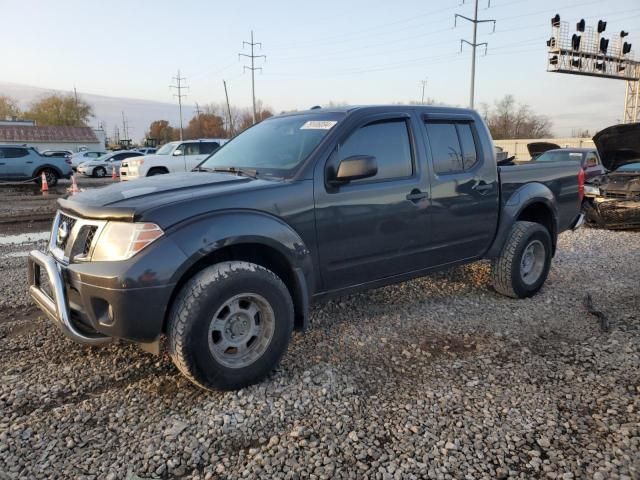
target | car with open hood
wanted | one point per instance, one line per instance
(612, 200)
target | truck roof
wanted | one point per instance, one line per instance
(353, 108)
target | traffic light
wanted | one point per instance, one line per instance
(600, 66)
(623, 33)
(580, 25)
(626, 48)
(553, 60)
(551, 43)
(576, 62)
(555, 21)
(602, 25)
(604, 45)
(575, 42)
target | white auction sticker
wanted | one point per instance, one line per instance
(318, 125)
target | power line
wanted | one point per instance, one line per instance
(253, 69)
(179, 86)
(474, 44)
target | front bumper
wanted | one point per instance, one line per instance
(94, 302)
(614, 214)
(54, 301)
(88, 171)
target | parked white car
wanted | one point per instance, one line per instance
(103, 166)
(86, 156)
(170, 158)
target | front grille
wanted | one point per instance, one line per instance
(83, 241)
(61, 240)
(89, 239)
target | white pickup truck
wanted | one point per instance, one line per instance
(181, 156)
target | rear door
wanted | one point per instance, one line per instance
(464, 189)
(376, 227)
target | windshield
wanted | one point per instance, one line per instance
(630, 167)
(559, 155)
(166, 149)
(276, 146)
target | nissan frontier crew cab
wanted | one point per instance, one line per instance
(226, 260)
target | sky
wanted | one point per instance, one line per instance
(356, 52)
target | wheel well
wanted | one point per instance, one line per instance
(42, 168)
(542, 214)
(259, 254)
(163, 169)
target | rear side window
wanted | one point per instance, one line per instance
(388, 142)
(191, 149)
(208, 147)
(453, 147)
(11, 152)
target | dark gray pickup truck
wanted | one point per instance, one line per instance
(226, 260)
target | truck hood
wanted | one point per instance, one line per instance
(618, 145)
(125, 200)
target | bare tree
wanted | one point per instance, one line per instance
(509, 119)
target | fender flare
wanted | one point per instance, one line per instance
(202, 236)
(523, 197)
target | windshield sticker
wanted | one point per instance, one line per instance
(318, 125)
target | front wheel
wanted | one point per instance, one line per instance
(99, 172)
(50, 175)
(524, 262)
(230, 325)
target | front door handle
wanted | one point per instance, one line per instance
(416, 195)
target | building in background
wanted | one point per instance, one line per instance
(44, 138)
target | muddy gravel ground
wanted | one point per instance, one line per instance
(434, 378)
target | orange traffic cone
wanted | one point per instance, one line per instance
(74, 185)
(45, 185)
(113, 173)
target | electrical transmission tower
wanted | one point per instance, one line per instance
(474, 44)
(125, 128)
(253, 69)
(179, 86)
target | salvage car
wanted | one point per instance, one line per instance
(587, 157)
(105, 165)
(612, 200)
(299, 208)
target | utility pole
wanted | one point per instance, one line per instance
(179, 86)
(424, 84)
(474, 44)
(125, 127)
(253, 69)
(198, 120)
(226, 94)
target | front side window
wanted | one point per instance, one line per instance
(591, 160)
(388, 142)
(276, 146)
(190, 149)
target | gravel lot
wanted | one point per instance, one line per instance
(434, 378)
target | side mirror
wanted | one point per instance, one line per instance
(177, 152)
(355, 167)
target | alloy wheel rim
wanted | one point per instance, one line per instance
(241, 330)
(532, 262)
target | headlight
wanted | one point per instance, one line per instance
(591, 190)
(122, 240)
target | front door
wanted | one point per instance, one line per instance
(464, 191)
(376, 227)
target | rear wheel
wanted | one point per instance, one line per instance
(230, 325)
(524, 262)
(51, 176)
(99, 172)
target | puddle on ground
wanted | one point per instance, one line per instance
(24, 238)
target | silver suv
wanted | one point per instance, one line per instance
(19, 162)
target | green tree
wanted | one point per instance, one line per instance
(8, 107)
(62, 110)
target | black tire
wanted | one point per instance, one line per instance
(99, 172)
(508, 271)
(156, 171)
(193, 314)
(51, 174)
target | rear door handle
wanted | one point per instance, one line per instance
(482, 187)
(416, 195)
